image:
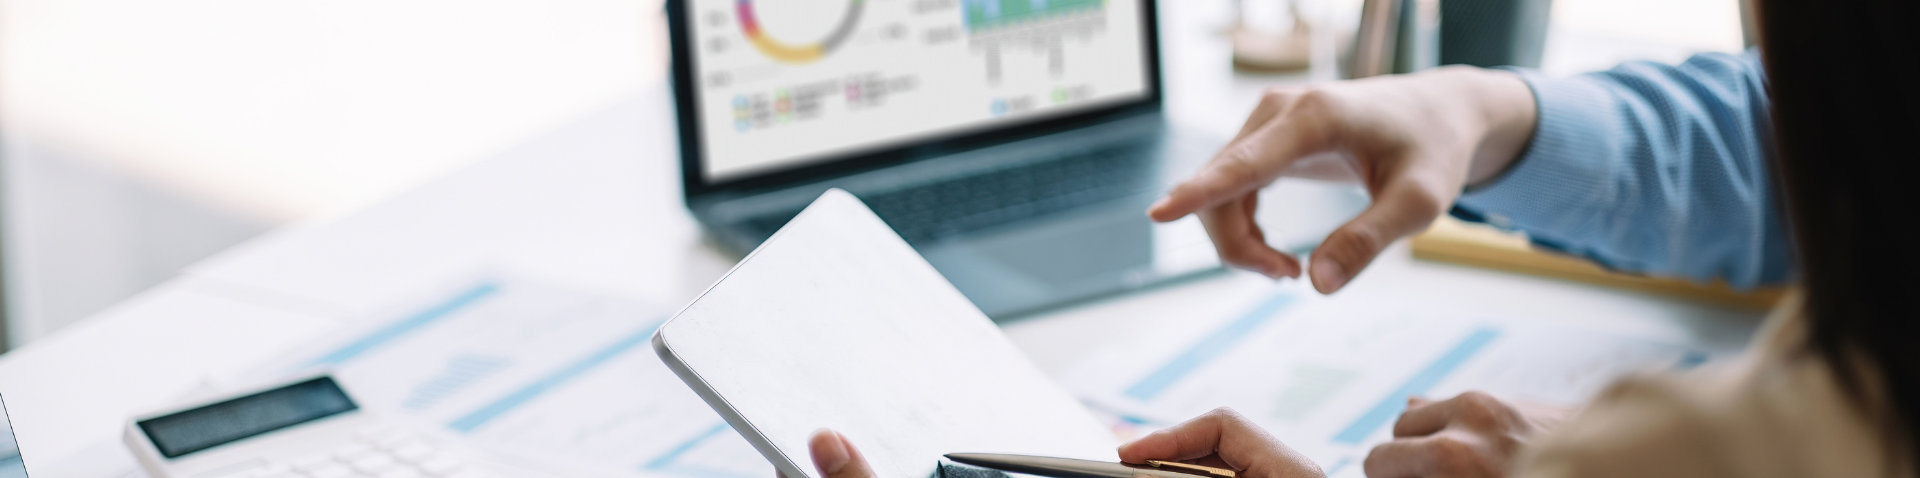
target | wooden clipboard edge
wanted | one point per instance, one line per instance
(1454, 241)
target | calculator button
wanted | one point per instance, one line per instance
(352, 452)
(242, 470)
(375, 431)
(440, 466)
(413, 452)
(388, 440)
(272, 468)
(335, 471)
(312, 463)
(401, 473)
(275, 470)
(374, 464)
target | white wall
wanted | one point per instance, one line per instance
(141, 136)
(1589, 35)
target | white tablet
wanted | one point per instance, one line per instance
(836, 322)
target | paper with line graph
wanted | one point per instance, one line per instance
(539, 376)
(1329, 377)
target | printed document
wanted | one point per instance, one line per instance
(1329, 378)
(539, 376)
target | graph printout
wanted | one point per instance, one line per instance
(1330, 378)
(785, 83)
(542, 376)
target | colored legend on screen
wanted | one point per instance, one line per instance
(788, 52)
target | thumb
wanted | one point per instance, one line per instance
(1227, 435)
(1399, 209)
(835, 457)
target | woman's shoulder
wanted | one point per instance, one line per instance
(1775, 412)
(1641, 426)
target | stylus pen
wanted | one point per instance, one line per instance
(1075, 468)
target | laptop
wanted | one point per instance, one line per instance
(1014, 143)
(11, 465)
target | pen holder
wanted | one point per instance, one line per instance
(1489, 33)
(1404, 36)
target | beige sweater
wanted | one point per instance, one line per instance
(1776, 412)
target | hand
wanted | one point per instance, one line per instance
(1222, 439)
(1473, 434)
(1413, 141)
(835, 457)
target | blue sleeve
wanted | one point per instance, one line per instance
(1649, 168)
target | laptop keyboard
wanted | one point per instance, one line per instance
(950, 206)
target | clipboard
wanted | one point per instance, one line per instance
(835, 322)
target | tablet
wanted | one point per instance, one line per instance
(835, 322)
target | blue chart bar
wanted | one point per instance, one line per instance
(472, 421)
(1207, 349)
(397, 329)
(669, 462)
(1395, 402)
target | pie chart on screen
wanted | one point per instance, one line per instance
(796, 50)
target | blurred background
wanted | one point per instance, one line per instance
(139, 137)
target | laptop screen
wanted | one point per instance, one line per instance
(780, 84)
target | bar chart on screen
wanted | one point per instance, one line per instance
(540, 376)
(1329, 377)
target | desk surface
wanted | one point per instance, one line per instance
(595, 205)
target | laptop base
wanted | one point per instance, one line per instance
(1021, 227)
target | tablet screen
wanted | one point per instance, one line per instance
(11, 466)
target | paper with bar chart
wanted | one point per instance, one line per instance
(783, 82)
(540, 376)
(1329, 378)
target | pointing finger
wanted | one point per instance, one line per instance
(1246, 164)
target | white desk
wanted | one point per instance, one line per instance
(595, 204)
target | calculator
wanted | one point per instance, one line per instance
(307, 428)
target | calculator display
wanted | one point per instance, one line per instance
(240, 418)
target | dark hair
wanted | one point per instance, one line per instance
(1845, 81)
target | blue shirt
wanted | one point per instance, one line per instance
(1649, 168)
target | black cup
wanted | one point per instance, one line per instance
(1489, 33)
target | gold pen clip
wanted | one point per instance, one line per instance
(1191, 469)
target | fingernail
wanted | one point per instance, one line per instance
(1154, 210)
(832, 455)
(1123, 446)
(1285, 270)
(1328, 276)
